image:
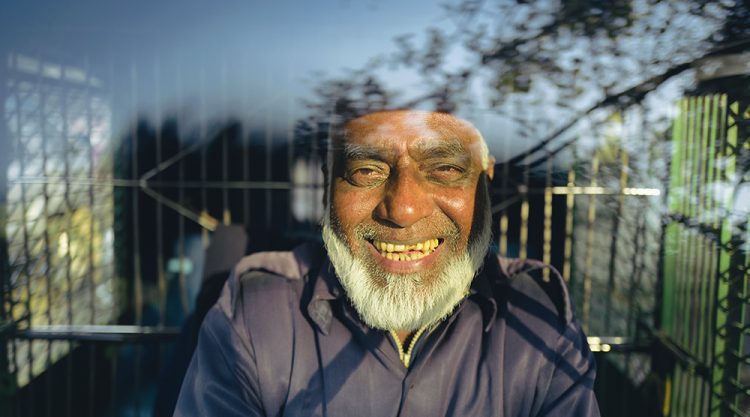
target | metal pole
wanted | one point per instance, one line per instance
(589, 252)
(7, 378)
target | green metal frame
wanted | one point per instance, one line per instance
(705, 269)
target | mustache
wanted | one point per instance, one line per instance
(374, 231)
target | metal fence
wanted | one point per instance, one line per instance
(706, 304)
(105, 235)
(105, 231)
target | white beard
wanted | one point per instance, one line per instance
(406, 302)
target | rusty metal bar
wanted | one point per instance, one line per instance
(43, 97)
(226, 212)
(569, 214)
(269, 155)
(138, 279)
(181, 279)
(161, 277)
(68, 257)
(26, 251)
(611, 278)
(547, 236)
(204, 200)
(100, 333)
(589, 254)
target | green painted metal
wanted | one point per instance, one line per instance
(706, 288)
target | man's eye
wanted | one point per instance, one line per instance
(447, 172)
(367, 176)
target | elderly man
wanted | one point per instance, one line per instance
(404, 312)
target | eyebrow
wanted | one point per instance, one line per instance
(451, 148)
(355, 152)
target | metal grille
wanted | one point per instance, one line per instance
(591, 207)
(59, 203)
(106, 229)
(110, 227)
(706, 309)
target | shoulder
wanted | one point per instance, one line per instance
(264, 278)
(534, 288)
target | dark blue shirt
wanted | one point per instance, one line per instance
(284, 340)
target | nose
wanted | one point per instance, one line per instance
(405, 201)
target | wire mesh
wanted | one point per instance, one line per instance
(59, 230)
(109, 226)
(705, 268)
(106, 227)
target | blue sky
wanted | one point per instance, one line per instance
(222, 56)
(253, 60)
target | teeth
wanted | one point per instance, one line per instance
(395, 251)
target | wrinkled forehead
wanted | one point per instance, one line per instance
(409, 127)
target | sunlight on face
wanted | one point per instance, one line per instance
(409, 220)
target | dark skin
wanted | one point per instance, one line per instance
(406, 174)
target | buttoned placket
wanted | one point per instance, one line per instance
(327, 290)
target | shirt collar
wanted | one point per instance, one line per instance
(326, 288)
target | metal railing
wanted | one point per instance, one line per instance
(95, 236)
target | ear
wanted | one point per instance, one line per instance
(490, 167)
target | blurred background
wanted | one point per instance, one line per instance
(146, 146)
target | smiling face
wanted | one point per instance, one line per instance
(404, 208)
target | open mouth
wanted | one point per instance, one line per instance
(404, 252)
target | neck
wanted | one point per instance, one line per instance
(404, 336)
